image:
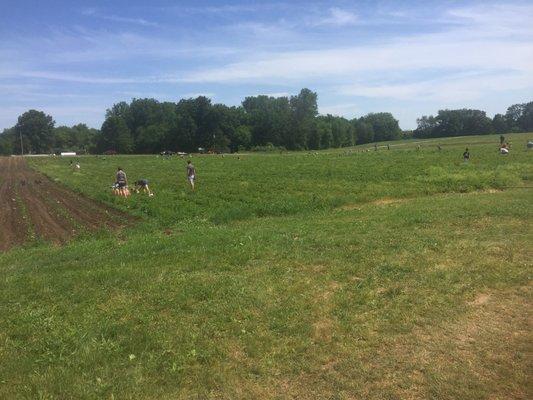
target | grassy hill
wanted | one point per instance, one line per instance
(349, 273)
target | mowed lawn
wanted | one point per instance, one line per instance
(389, 274)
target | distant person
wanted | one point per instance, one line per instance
(504, 148)
(439, 147)
(191, 173)
(466, 155)
(142, 186)
(122, 183)
(375, 147)
(388, 147)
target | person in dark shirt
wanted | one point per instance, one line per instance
(191, 173)
(142, 186)
(466, 155)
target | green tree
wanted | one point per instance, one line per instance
(242, 138)
(526, 119)
(121, 109)
(150, 138)
(313, 138)
(79, 138)
(36, 128)
(365, 132)
(181, 134)
(454, 123)
(499, 124)
(7, 140)
(115, 135)
(384, 126)
(304, 111)
(269, 119)
(513, 116)
(425, 127)
(324, 129)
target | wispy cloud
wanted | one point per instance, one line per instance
(225, 9)
(390, 54)
(453, 89)
(338, 17)
(66, 77)
(84, 45)
(139, 21)
(93, 12)
(498, 49)
(413, 55)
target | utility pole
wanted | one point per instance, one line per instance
(21, 145)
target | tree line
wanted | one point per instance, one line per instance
(150, 126)
(35, 132)
(259, 123)
(463, 122)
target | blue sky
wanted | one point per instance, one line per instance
(74, 59)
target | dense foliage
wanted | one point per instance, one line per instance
(518, 118)
(149, 126)
(35, 132)
(146, 126)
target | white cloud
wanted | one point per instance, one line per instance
(82, 45)
(414, 54)
(473, 53)
(139, 21)
(336, 17)
(59, 76)
(93, 12)
(453, 89)
(88, 11)
(494, 45)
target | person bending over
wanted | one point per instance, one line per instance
(142, 186)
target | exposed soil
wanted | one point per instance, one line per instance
(34, 207)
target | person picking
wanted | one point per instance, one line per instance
(142, 186)
(122, 183)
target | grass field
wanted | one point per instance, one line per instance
(343, 274)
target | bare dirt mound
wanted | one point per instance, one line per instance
(34, 207)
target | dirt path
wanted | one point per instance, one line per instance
(32, 206)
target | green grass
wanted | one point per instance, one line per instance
(239, 188)
(284, 276)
